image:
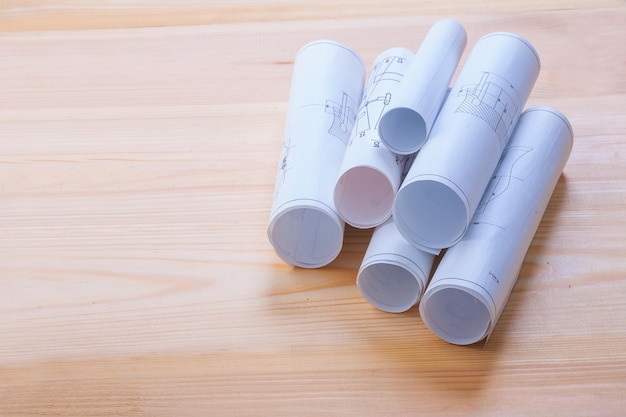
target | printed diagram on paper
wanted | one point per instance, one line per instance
(505, 174)
(284, 155)
(343, 112)
(283, 166)
(386, 74)
(343, 117)
(494, 100)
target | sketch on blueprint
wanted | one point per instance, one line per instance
(343, 117)
(284, 155)
(343, 113)
(283, 165)
(494, 100)
(378, 94)
(505, 174)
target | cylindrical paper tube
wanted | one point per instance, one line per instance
(406, 123)
(437, 199)
(393, 274)
(476, 276)
(370, 174)
(326, 87)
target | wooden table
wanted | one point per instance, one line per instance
(138, 148)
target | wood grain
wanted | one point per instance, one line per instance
(138, 148)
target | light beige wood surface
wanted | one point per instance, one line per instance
(138, 148)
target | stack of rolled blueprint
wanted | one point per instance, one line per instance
(462, 169)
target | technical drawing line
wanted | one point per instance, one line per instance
(343, 117)
(494, 100)
(374, 103)
(501, 181)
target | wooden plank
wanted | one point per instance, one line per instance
(19, 15)
(138, 148)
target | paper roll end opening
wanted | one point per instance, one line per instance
(430, 213)
(456, 316)
(389, 287)
(364, 197)
(306, 236)
(402, 130)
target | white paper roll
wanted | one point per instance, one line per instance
(437, 199)
(369, 176)
(406, 124)
(393, 274)
(472, 283)
(326, 87)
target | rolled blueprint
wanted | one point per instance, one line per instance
(369, 176)
(406, 124)
(393, 274)
(442, 190)
(476, 276)
(326, 87)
